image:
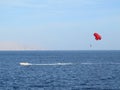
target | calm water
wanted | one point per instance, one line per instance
(89, 70)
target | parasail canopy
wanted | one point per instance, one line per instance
(97, 36)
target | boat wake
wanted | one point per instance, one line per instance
(63, 64)
(100, 63)
(46, 64)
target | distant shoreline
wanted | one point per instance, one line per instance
(59, 50)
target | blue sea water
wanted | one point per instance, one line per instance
(50, 70)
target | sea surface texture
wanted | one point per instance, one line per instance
(60, 70)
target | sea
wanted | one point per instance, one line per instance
(60, 70)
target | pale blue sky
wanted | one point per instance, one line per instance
(61, 24)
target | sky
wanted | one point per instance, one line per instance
(59, 24)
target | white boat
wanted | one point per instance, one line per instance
(25, 63)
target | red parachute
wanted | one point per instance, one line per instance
(97, 36)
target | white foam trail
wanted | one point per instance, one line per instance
(63, 64)
(101, 63)
(49, 64)
(87, 63)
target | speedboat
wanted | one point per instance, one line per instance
(25, 63)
